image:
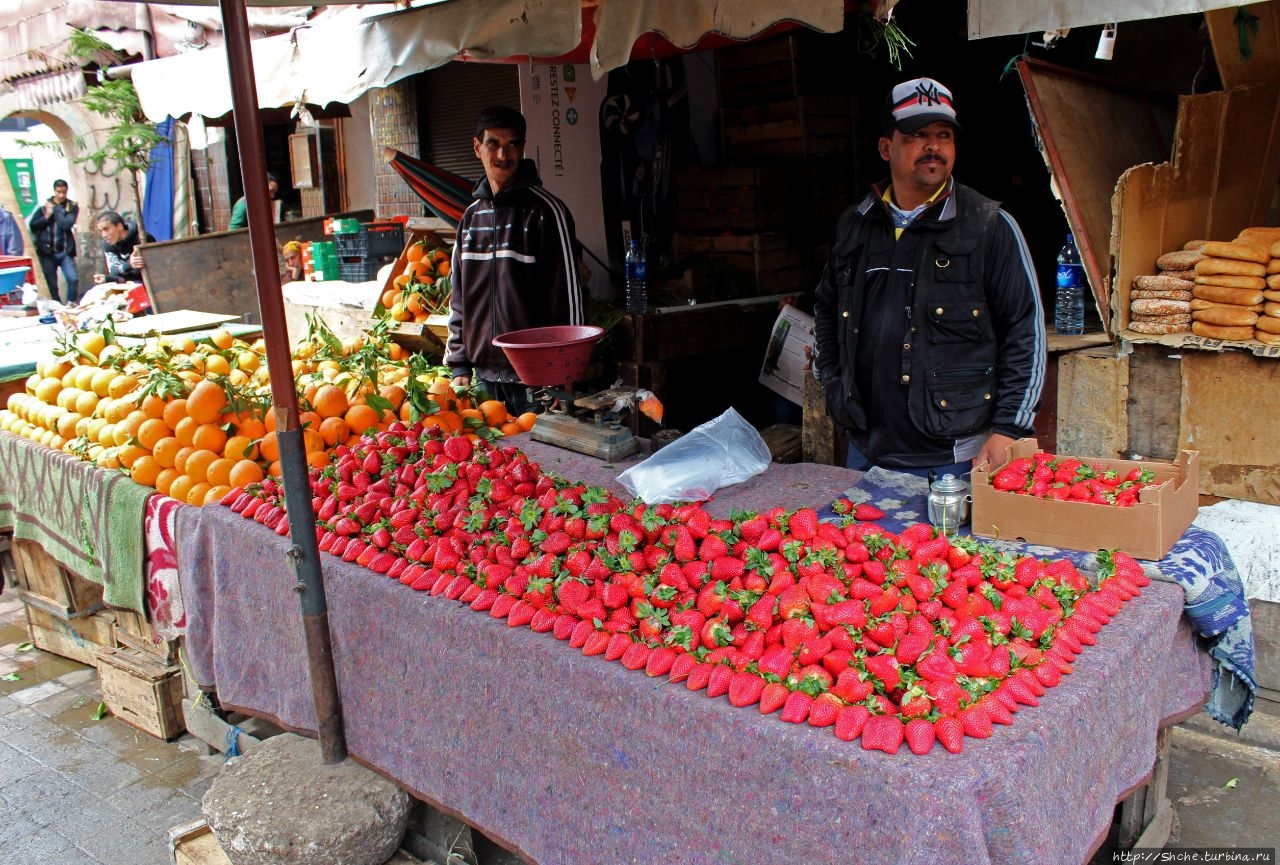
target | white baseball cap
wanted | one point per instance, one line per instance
(915, 104)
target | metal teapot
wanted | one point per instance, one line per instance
(949, 501)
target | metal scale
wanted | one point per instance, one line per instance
(591, 425)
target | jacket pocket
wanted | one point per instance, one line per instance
(956, 320)
(954, 261)
(961, 401)
(834, 396)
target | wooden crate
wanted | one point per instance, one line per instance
(44, 583)
(133, 631)
(141, 691)
(761, 71)
(78, 639)
(777, 265)
(798, 128)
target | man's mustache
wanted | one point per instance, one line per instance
(924, 159)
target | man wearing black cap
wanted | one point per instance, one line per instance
(515, 264)
(929, 331)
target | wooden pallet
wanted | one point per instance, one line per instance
(43, 583)
(141, 691)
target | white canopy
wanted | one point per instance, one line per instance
(337, 59)
(1008, 17)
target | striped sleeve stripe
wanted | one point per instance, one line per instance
(556, 206)
(1026, 410)
(501, 253)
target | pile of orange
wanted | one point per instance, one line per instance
(422, 289)
(193, 419)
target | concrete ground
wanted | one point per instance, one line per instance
(78, 790)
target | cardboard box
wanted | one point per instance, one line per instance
(141, 691)
(420, 337)
(1148, 530)
(78, 639)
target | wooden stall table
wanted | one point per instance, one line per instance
(569, 759)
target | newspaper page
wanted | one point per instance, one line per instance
(786, 358)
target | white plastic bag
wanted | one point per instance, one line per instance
(719, 453)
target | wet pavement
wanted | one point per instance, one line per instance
(77, 789)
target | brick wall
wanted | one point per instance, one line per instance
(393, 118)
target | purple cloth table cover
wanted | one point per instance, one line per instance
(574, 760)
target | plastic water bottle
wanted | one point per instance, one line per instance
(637, 296)
(1068, 307)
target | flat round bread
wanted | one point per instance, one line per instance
(1142, 294)
(1183, 259)
(1141, 325)
(1230, 267)
(1159, 283)
(1159, 307)
(1187, 275)
(1216, 331)
(1194, 244)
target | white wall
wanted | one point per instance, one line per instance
(49, 166)
(357, 142)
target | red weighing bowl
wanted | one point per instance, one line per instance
(546, 356)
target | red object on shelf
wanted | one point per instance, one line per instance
(544, 356)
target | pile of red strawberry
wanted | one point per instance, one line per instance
(892, 638)
(1048, 476)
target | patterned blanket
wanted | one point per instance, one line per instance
(165, 609)
(1199, 562)
(88, 519)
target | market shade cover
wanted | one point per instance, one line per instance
(338, 59)
(445, 193)
(1008, 17)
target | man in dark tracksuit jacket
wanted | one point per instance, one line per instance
(514, 263)
(929, 330)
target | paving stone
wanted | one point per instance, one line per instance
(40, 797)
(15, 830)
(76, 678)
(47, 847)
(55, 705)
(36, 693)
(17, 720)
(155, 804)
(16, 767)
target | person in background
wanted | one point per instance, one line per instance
(240, 210)
(53, 227)
(515, 264)
(929, 331)
(291, 252)
(11, 240)
(120, 239)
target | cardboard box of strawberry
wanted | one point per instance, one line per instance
(880, 637)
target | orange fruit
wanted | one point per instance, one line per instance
(360, 418)
(308, 420)
(240, 447)
(165, 478)
(312, 441)
(145, 470)
(174, 411)
(130, 454)
(180, 458)
(330, 401)
(317, 459)
(152, 406)
(121, 385)
(197, 465)
(206, 402)
(151, 431)
(389, 297)
(510, 428)
(215, 494)
(274, 469)
(414, 253)
(527, 420)
(251, 427)
(185, 431)
(244, 472)
(180, 486)
(219, 473)
(222, 338)
(216, 364)
(209, 437)
(443, 266)
(166, 451)
(494, 412)
(334, 430)
(392, 393)
(195, 495)
(269, 447)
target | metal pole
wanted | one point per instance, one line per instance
(304, 554)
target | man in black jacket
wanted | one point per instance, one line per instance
(53, 227)
(119, 241)
(929, 330)
(515, 264)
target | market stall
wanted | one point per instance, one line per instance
(507, 728)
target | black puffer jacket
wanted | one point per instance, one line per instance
(514, 267)
(928, 342)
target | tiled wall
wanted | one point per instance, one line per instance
(393, 117)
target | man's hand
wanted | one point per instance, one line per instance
(99, 278)
(994, 450)
(462, 381)
(135, 260)
(48, 208)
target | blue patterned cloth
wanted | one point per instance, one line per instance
(1199, 563)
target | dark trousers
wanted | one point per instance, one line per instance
(513, 394)
(858, 461)
(51, 264)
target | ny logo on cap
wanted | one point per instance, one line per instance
(927, 93)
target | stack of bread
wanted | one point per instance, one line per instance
(1267, 327)
(1162, 303)
(1230, 281)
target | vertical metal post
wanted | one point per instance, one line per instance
(304, 554)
